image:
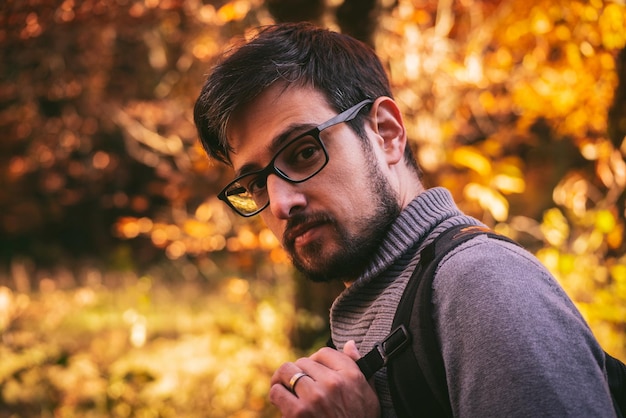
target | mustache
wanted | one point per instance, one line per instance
(300, 222)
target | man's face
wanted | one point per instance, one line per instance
(331, 223)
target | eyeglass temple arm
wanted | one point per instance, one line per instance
(346, 115)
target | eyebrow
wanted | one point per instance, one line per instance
(290, 132)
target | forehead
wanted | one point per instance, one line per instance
(276, 112)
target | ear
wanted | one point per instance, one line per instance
(386, 121)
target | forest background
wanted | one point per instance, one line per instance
(128, 290)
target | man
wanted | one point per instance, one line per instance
(306, 118)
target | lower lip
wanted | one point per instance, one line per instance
(309, 236)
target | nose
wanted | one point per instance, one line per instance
(285, 198)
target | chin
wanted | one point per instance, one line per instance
(313, 267)
(324, 270)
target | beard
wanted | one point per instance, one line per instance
(355, 249)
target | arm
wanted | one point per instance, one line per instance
(334, 387)
(513, 343)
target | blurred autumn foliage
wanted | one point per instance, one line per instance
(127, 289)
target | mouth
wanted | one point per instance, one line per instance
(302, 233)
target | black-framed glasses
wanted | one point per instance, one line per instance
(296, 161)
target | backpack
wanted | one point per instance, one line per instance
(416, 377)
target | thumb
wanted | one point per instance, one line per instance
(351, 351)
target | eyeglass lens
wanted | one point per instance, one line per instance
(298, 161)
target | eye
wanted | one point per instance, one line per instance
(257, 185)
(308, 152)
(302, 153)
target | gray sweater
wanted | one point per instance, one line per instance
(513, 343)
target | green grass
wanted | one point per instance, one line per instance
(144, 349)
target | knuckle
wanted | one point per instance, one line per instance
(317, 397)
(324, 351)
(334, 382)
(355, 375)
(302, 410)
(273, 396)
(301, 362)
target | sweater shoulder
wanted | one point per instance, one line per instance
(509, 334)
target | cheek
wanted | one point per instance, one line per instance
(345, 189)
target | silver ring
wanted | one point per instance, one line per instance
(294, 379)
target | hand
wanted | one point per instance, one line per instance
(332, 387)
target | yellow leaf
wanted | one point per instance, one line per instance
(489, 200)
(567, 263)
(487, 101)
(509, 184)
(605, 221)
(197, 229)
(615, 237)
(234, 10)
(247, 238)
(470, 158)
(549, 257)
(555, 227)
(618, 272)
(612, 23)
(541, 23)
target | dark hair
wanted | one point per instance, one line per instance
(342, 68)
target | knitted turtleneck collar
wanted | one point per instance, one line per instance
(414, 223)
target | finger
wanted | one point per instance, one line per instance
(327, 360)
(312, 368)
(334, 359)
(320, 373)
(295, 379)
(351, 350)
(282, 398)
(289, 375)
(284, 373)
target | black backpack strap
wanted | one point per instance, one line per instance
(616, 371)
(382, 352)
(423, 365)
